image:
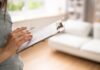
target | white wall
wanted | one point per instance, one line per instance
(55, 5)
(38, 23)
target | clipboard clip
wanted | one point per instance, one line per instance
(60, 26)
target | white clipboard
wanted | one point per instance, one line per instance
(42, 34)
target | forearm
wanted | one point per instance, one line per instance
(3, 55)
(0, 50)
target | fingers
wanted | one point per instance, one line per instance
(23, 39)
(20, 32)
(16, 39)
(19, 29)
(21, 35)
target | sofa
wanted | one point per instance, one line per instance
(79, 38)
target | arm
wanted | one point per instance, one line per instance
(3, 55)
(0, 50)
(14, 41)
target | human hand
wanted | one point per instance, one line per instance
(16, 39)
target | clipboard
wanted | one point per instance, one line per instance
(42, 34)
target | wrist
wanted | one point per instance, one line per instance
(4, 55)
(1, 50)
(9, 51)
(5, 52)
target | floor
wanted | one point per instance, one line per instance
(42, 57)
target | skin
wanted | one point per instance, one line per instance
(14, 41)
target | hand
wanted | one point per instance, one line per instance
(16, 39)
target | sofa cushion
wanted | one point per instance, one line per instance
(92, 46)
(77, 27)
(68, 40)
(96, 30)
(60, 42)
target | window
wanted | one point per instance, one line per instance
(20, 5)
(19, 9)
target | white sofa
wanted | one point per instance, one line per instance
(76, 40)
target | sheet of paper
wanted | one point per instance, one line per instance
(40, 35)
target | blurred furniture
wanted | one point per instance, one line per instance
(78, 40)
(42, 57)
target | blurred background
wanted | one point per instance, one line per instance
(37, 13)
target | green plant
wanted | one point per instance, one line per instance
(14, 7)
(34, 4)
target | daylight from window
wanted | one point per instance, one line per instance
(34, 8)
(19, 5)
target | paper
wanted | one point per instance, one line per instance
(42, 34)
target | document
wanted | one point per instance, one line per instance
(43, 33)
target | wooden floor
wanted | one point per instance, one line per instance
(42, 57)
